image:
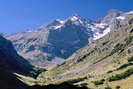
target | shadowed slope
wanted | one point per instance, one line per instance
(11, 60)
(64, 85)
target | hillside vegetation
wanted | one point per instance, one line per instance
(104, 64)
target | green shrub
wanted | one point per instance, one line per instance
(121, 47)
(121, 76)
(124, 66)
(118, 47)
(83, 84)
(76, 80)
(37, 71)
(129, 40)
(110, 71)
(108, 88)
(99, 82)
(117, 87)
(130, 59)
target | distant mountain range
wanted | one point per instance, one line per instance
(54, 42)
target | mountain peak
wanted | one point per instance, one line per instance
(114, 11)
(110, 15)
(74, 17)
(59, 21)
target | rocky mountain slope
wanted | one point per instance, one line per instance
(57, 40)
(12, 65)
(11, 60)
(8, 80)
(60, 39)
(104, 60)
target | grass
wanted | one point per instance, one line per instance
(37, 71)
(110, 71)
(83, 84)
(118, 87)
(108, 88)
(75, 80)
(100, 82)
(121, 76)
(120, 47)
(129, 40)
(124, 66)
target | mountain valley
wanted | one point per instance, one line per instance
(73, 53)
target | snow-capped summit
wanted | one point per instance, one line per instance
(121, 17)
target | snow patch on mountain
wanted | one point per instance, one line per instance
(99, 30)
(99, 35)
(130, 12)
(100, 25)
(74, 18)
(60, 21)
(57, 27)
(121, 17)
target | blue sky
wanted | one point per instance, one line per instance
(19, 15)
